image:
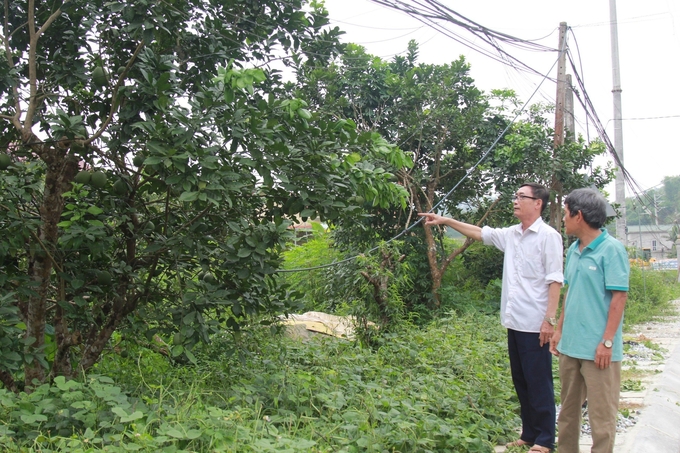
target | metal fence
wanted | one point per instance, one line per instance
(664, 264)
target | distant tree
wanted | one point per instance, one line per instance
(658, 205)
(671, 201)
(673, 236)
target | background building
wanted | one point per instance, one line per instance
(652, 240)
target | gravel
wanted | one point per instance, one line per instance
(623, 423)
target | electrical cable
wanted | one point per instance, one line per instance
(580, 60)
(589, 109)
(375, 28)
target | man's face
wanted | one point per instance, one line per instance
(524, 203)
(569, 221)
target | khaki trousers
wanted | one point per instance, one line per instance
(581, 379)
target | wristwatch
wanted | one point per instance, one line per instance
(607, 343)
(551, 321)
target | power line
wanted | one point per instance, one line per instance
(429, 11)
(433, 13)
(374, 28)
(586, 103)
(649, 118)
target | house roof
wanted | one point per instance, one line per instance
(635, 229)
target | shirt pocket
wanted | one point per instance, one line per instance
(533, 268)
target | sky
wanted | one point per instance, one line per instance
(649, 58)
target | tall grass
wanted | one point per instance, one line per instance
(649, 295)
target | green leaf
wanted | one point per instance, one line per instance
(119, 411)
(189, 196)
(363, 442)
(155, 147)
(192, 359)
(136, 415)
(304, 113)
(175, 433)
(189, 318)
(353, 158)
(228, 95)
(32, 418)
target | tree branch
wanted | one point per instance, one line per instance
(468, 242)
(34, 35)
(47, 252)
(32, 72)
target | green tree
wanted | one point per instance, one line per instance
(656, 205)
(670, 205)
(156, 161)
(436, 113)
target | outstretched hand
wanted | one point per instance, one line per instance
(432, 219)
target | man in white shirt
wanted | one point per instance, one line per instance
(532, 278)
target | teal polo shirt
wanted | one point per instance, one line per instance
(591, 275)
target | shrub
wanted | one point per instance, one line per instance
(649, 294)
(483, 262)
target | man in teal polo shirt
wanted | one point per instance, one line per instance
(588, 334)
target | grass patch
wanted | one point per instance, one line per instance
(631, 385)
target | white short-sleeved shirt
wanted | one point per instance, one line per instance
(532, 261)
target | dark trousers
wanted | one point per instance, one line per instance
(531, 368)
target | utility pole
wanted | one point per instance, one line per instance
(677, 257)
(558, 140)
(619, 184)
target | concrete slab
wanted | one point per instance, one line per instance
(658, 428)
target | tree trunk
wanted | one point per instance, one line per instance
(8, 381)
(437, 269)
(60, 172)
(99, 338)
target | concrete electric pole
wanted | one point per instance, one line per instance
(619, 183)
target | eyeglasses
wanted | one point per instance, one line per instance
(522, 197)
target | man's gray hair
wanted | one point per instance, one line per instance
(592, 205)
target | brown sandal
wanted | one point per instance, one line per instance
(539, 449)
